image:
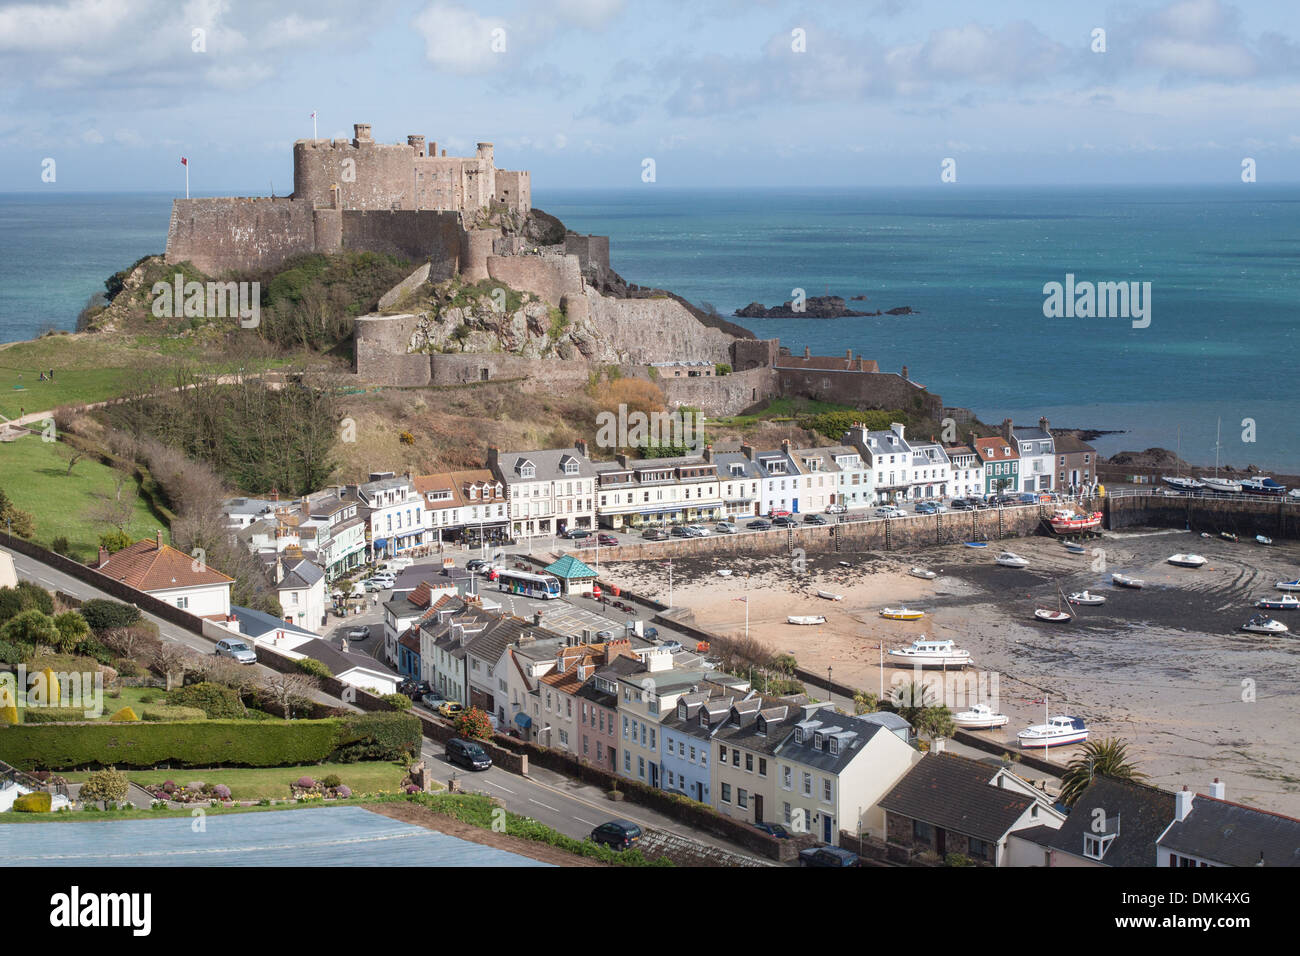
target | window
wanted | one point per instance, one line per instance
(762, 766)
(787, 778)
(599, 748)
(749, 763)
(692, 755)
(182, 602)
(980, 849)
(785, 813)
(564, 738)
(625, 728)
(735, 757)
(826, 789)
(833, 746)
(640, 767)
(722, 754)
(922, 831)
(627, 761)
(742, 799)
(726, 793)
(807, 784)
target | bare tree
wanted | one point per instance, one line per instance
(172, 661)
(116, 510)
(289, 689)
(222, 670)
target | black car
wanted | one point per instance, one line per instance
(655, 534)
(958, 504)
(759, 524)
(827, 856)
(813, 518)
(577, 534)
(617, 834)
(468, 754)
(476, 565)
(783, 522)
(679, 531)
(774, 829)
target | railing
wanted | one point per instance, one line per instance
(1201, 494)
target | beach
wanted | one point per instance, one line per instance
(1166, 668)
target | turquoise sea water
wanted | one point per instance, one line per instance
(1223, 263)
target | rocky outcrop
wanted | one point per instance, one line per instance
(814, 307)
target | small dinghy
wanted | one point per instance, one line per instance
(902, 614)
(1057, 732)
(830, 596)
(1075, 548)
(1124, 581)
(1086, 599)
(1009, 559)
(1227, 536)
(1288, 585)
(1263, 624)
(845, 564)
(979, 717)
(1287, 602)
(1186, 560)
(1205, 534)
(977, 544)
(922, 573)
(1263, 540)
(805, 619)
(724, 572)
(1052, 616)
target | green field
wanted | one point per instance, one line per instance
(34, 475)
(127, 697)
(272, 783)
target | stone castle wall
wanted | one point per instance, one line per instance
(550, 278)
(240, 235)
(654, 330)
(723, 395)
(860, 389)
(412, 234)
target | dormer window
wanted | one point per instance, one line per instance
(817, 741)
(760, 726)
(1095, 847)
(527, 469)
(798, 735)
(833, 746)
(570, 466)
(681, 711)
(704, 720)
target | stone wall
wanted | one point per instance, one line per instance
(593, 255)
(548, 277)
(655, 330)
(404, 288)
(461, 369)
(754, 353)
(1245, 517)
(239, 235)
(861, 390)
(722, 395)
(411, 234)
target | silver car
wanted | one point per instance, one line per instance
(236, 651)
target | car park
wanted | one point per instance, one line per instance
(236, 650)
(617, 834)
(814, 518)
(725, 527)
(467, 754)
(655, 534)
(759, 524)
(828, 856)
(607, 540)
(358, 633)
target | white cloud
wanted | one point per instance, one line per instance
(92, 136)
(459, 40)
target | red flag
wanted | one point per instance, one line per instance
(184, 161)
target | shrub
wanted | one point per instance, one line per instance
(309, 665)
(53, 715)
(60, 545)
(10, 654)
(217, 701)
(221, 792)
(9, 714)
(73, 629)
(159, 712)
(25, 597)
(109, 784)
(30, 627)
(169, 786)
(331, 781)
(344, 791)
(398, 701)
(89, 647)
(103, 615)
(126, 713)
(307, 783)
(36, 802)
(126, 667)
(473, 723)
(382, 735)
(115, 540)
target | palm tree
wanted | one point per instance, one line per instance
(1104, 758)
(935, 722)
(865, 702)
(910, 699)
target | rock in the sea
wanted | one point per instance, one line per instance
(814, 307)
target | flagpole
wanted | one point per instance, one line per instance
(313, 124)
(187, 180)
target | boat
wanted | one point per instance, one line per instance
(1263, 624)
(1065, 521)
(1288, 585)
(1009, 559)
(922, 573)
(1294, 494)
(1183, 484)
(724, 572)
(1057, 732)
(1086, 598)
(1262, 486)
(1263, 539)
(1227, 536)
(1287, 602)
(1223, 486)
(1052, 617)
(830, 595)
(1075, 548)
(977, 544)
(979, 717)
(902, 614)
(1187, 560)
(1205, 534)
(805, 619)
(924, 653)
(1124, 581)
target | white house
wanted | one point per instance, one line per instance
(550, 490)
(171, 576)
(300, 588)
(966, 470)
(394, 513)
(1037, 454)
(930, 471)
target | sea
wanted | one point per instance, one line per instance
(1218, 351)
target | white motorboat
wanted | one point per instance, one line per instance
(979, 717)
(805, 619)
(1009, 559)
(1227, 536)
(1263, 539)
(1051, 616)
(1186, 560)
(1224, 486)
(1086, 599)
(1288, 585)
(1183, 484)
(1075, 548)
(1294, 494)
(1057, 732)
(830, 596)
(1263, 486)
(1124, 581)
(1262, 624)
(902, 614)
(1287, 602)
(724, 572)
(930, 653)
(922, 573)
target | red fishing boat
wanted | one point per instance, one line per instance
(1065, 521)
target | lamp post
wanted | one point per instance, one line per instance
(829, 692)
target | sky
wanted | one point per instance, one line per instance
(718, 93)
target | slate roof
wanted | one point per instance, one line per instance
(253, 624)
(339, 662)
(953, 792)
(1234, 834)
(147, 566)
(854, 734)
(1067, 443)
(1143, 813)
(547, 462)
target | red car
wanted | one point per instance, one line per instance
(778, 514)
(607, 540)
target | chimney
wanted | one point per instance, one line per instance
(433, 148)
(1217, 789)
(861, 367)
(898, 429)
(937, 745)
(103, 556)
(848, 354)
(707, 454)
(785, 444)
(157, 538)
(622, 459)
(905, 378)
(807, 352)
(1182, 804)
(444, 154)
(747, 450)
(1006, 429)
(279, 569)
(275, 494)
(494, 454)
(581, 446)
(361, 133)
(1043, 424)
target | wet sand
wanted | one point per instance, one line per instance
(1166, 668)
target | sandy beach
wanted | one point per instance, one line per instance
(1166, 668)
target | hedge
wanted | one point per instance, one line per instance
(206, 743)
(159, 712)
(102, 614)
(378, 735)
(36, 802)
(52, 715)
(217, 701)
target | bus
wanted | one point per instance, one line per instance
(529, 585)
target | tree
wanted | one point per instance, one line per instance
(474, 724)
(32, 628)
(910, 699)
(25, 597)
(865, 702)
(172, 661)
(19, 522)
(108, 785)
(289, 689)
(935, 722)
(74, 456)
(1099, 758)
(115, 540)
(72, 628)
(116, 509)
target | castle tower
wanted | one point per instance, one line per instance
(361, 134)
(417, 142)
(486, 153)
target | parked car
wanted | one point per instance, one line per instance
(724, 527)
(925, 508)
(468, 754)
(433, 700)
(1027, 498)
(758, 524)
(834, 509)
(378, 584)
(778, 513)
(617, 834)
(889, 511)
(827, 856)
(236, 650)
(679, 531)
(607, 540)
(477, 565)
(655, 534)
(958, 504)
(671, 646)
(358, 633)
(575, 534)
(450, 708)
(604, 635)
(651, 633)
(814, 518)
(698, 531)
(774, 829)
(783, 522)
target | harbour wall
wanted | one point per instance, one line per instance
(1242, 516)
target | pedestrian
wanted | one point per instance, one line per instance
(51, 375)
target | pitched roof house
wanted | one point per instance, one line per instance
(169, 575)
(1113, 823)
(1211, 831)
